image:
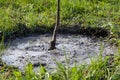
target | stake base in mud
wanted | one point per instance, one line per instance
(52, 45)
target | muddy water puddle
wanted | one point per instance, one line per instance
(34, 49)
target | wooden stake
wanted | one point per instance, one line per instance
(53, 41)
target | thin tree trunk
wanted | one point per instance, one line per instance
(53, 41)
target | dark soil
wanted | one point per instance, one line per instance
(22, 31)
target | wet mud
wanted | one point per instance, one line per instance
(34, 49)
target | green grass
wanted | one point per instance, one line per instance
(17, 15)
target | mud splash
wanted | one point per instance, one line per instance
(34, 49)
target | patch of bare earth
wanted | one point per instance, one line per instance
(34, 49)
